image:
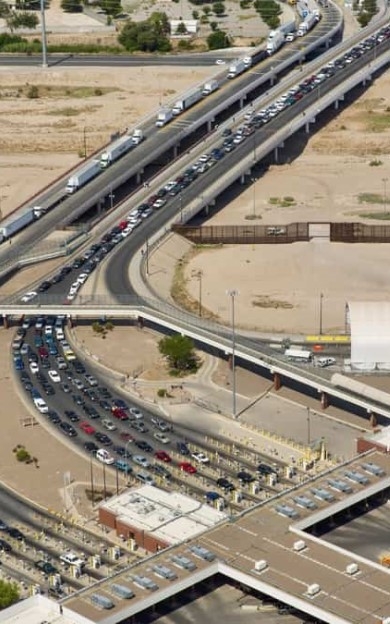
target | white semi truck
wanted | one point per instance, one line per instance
(275, 40)
(237, 68)
(16, 222)
(116, 150)
(82, 176)
(137, 136)
(186, 102)
(210, 87)
(164, 116)
(307, 24)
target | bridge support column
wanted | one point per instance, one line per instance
(336, 105)
(307, 127)
(207, 210)
(277, 381)
(140, 322)
(70, 322)
(324, 400)
(5, 322)
(242, 179)
(242, 102)
(139, 175)
(175, 151)
(210, 125)
(276, 154)
(373, 419)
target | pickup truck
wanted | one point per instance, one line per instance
(46, 567)
(69, 558)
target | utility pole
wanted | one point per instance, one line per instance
(233, 294)
(43, 27)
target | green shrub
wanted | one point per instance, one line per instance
(23, 456)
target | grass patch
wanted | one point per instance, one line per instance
(380, 216)
(179, 291)
(265, 301)
(282, 202)
(375, 163)
(371, 198)
(253, 217)
(377, 122)
(54, 91)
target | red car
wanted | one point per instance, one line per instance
(87, 428)
(187, 467)
(163, 456)
(119, 413)
(127, 437)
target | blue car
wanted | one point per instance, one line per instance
(123, 466)
(38, 341)
(19, 365)
(53, 349)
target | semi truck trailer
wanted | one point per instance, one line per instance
(210, 87)
(164, 116)
(186, 102)
(82, 176)
(138, 136)
(308, 23)
(237, 68)
(275, 40)
(16, 222)
(115, 151)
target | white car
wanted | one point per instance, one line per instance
(325, 361)
(104, 456)
(220, 62)
(71, 559)
(29, 296)
(41, 406)
(54, 376)
(108, 424)
(161, 437)
(141, 461)
(34, 368)
(200, 457)
(134, 411)
(82, 278)
(159, 203)
(204, 158)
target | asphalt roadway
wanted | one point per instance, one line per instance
(111, 60)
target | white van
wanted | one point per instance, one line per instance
(325, 361)
(145, 478)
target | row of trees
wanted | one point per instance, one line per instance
(269, 11)
(17, 19)
(150, 35)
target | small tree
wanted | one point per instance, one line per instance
(9, 594)
(218, 8)
(181, 29)
(179, 351)
(217, 40)
(71, 6)
(195, 15)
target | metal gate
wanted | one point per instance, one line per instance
(319, 230)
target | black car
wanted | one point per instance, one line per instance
(78, 399)
(53, 417)
(265, 469)
(3, 526)
(161, 471)
(105, 405)
(73, 417)
(91, 394)
(5, 546)
(140, 426)
(48, 389)
(144, 446)
(15, 533)
(91, 447)
(24, 376)
(120, 403)
(103, 438)
(77, 263)
(28, 385)
(68, 429)
(245, 477)
(58, 277)
(104, 392)
(182, 448)
(91, 411)
(44, 286)
(79, 367)
(225, 484)
(121, 451)
(46, 567)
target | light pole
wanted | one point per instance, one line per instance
(385, 180)
(92, 484)
(308, 427)
(43, 26)
(85, 142)
(321, 300)
(112, 197)
(181, 207)
(199, 274)
(233, 294)
(254, 180)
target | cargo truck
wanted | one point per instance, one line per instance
(298, 355)
(14, 223)
(138, 136)
(275, 40)
(164, 116)
(82, 176)
(115, 151)
(308, 23)
(186, 102)
(210, 87)
(237, 68)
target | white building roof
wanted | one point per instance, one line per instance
(169, 516)
(38, 609)
(370, 334)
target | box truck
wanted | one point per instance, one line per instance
(115, 151)
(138, 136)
(236, 69)
(210, 87)
(164, 116)
(186, 102)
(82, 176)
(275, 40)
(298, 355)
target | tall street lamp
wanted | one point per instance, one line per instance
(233, 294)
(199, 274)
(85, 142)
(92, 484)
(321, 300)
(254, 180)
(385, 180)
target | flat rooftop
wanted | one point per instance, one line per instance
(169, 516)
(264, 535)
(38, 610)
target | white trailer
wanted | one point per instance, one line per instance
(308, 23)
(164, 116)
(115, 151)
(186, 102)
(275, 40)
(82, 176)
(138, 136)
(298, 355)
(237, 68)
(210, 87)
(14, 223)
